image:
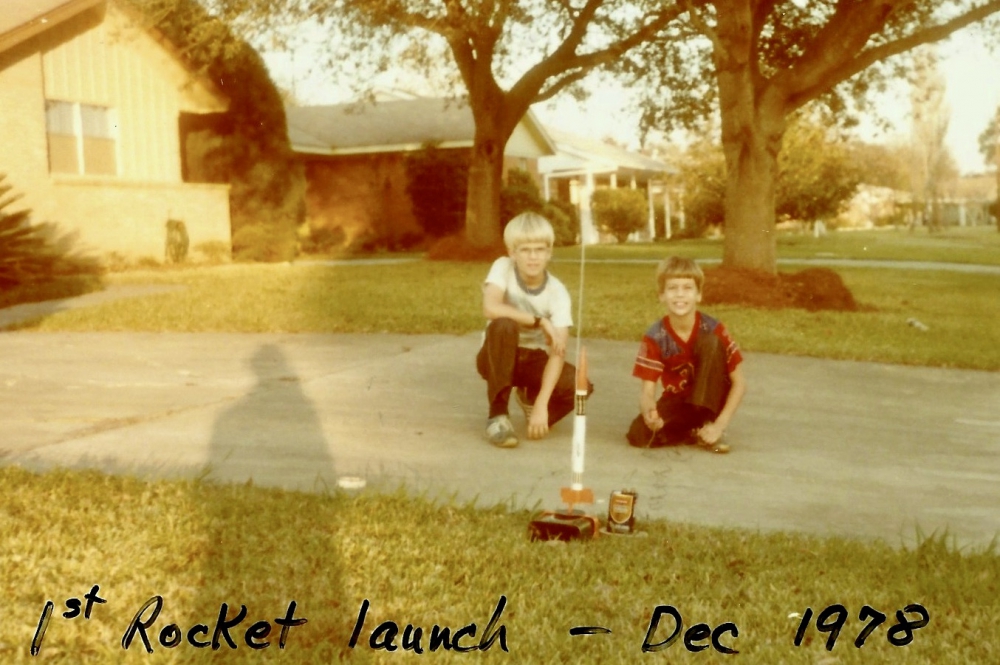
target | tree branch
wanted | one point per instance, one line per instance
(702, 25)
(810, 84)
(565, 60)
(561, 84)
(761, 12)
(581, 22)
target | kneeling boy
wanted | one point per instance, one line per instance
(697, 362)
(529, 314)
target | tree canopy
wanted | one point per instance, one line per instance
(989, 141)
(505, 55)
(816, 172)
(246, 146)
(758, 61)
(819, 170)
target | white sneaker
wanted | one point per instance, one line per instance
(500, 432)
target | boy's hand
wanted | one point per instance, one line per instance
(538, 425)
(652, 418)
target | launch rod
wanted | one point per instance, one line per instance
(580, 422)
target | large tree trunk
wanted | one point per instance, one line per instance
(496, 115)
(996, 200)
(482, 208)
(753, 123)
(752, 165)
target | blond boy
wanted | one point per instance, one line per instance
(529, 315)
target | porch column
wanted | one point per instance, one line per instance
(667, 213)
(651, 222)
(588, 231)
(680, 207)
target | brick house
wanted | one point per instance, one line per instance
(91, 100)
(355, 157)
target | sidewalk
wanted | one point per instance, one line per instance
(819, 446)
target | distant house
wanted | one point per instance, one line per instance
(583, 165)
(355, 157)
(91, 101)
(965, 203)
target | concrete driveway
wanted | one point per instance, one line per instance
(826, 447)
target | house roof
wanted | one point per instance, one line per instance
(23, 19)
(390, 126)
(580, 154)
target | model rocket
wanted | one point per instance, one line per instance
(576, 493)
(572, 524)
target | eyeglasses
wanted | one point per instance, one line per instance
(533, 250)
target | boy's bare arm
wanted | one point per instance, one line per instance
(712, 432)
(538, 424)
(647, 405)
(494, 307)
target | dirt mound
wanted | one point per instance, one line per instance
(812, 289)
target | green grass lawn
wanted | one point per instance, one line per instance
(198, 545)
(976, 245)
(960, 309)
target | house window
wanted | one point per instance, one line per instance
(82, 138)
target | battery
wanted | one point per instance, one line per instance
(621, 512)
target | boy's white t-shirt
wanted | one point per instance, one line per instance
(550, 300)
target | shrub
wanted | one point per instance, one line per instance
(565, 220)
(35, 263)
(214, 251)
(322, 239)
(458, 248)
(34, 253)
(246, 146)
(263, 242)
(437, 182)
(372, 243)
(520, 194)
(620, 211)
(690, 230)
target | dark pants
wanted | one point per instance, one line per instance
(683, 414)
(505, 365)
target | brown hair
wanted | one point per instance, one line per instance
(674, 267)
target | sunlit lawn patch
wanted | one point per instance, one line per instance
(959, 309)
(978, 245)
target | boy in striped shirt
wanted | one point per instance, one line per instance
(698, 364)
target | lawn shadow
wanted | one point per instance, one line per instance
(278, 544)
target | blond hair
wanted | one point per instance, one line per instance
(528, 227)
(675, 267)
